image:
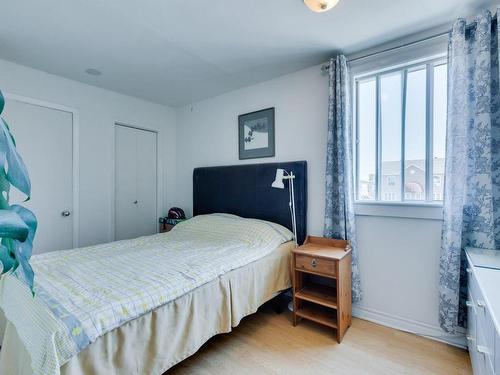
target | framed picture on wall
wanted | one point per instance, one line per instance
(256, 134)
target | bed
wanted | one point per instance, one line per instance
(140, 306)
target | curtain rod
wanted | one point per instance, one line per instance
(326, 67)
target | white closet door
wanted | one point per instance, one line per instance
(146, 183)
(44, 138)
(135, 182)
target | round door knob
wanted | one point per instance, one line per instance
(135, 202)
(65, 213)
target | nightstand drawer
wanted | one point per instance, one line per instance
(316, 265)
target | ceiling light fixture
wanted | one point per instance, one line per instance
(93, 72)
(320, 5)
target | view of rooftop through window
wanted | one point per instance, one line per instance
(400, 133)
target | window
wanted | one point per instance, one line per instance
(400, 133)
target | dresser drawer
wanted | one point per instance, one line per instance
(481, 334)
(474, 357)
(471, 320)
(472, 334)
(485, 331)
(485, 355)
(474, 290)
(317, 265)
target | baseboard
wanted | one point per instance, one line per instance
(409, 325)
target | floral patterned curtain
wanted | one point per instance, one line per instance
(339, 210)
(472, 182)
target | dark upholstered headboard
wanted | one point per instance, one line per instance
(245, 190)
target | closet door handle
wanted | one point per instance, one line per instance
(135, 202)
(65, 213)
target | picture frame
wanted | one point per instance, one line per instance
(256, 136)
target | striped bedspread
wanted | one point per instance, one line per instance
(82, 294)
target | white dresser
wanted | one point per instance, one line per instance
(483, 308)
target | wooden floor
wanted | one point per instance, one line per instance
(266, 343)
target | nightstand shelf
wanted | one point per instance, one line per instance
(319, 314)
(320, 294)
(321, 273)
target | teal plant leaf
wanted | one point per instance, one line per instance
(4, 190)
(16, 171)
(10, 161)
(12, 226)
(17, 223)
(23, 249)
(7, 260)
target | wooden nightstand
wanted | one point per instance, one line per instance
(321, 276)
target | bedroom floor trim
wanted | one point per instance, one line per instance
(409, 325)
(266, 343)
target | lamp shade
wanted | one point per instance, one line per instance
(320, 5)
(278, 181)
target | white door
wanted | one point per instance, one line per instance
(135, 182)
(44, 138)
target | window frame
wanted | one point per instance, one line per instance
(403, 68)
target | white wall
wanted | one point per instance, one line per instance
(399, 265)
(207, 132)
(398, 256)
(98, 111)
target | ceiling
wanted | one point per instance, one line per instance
(176, 52)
